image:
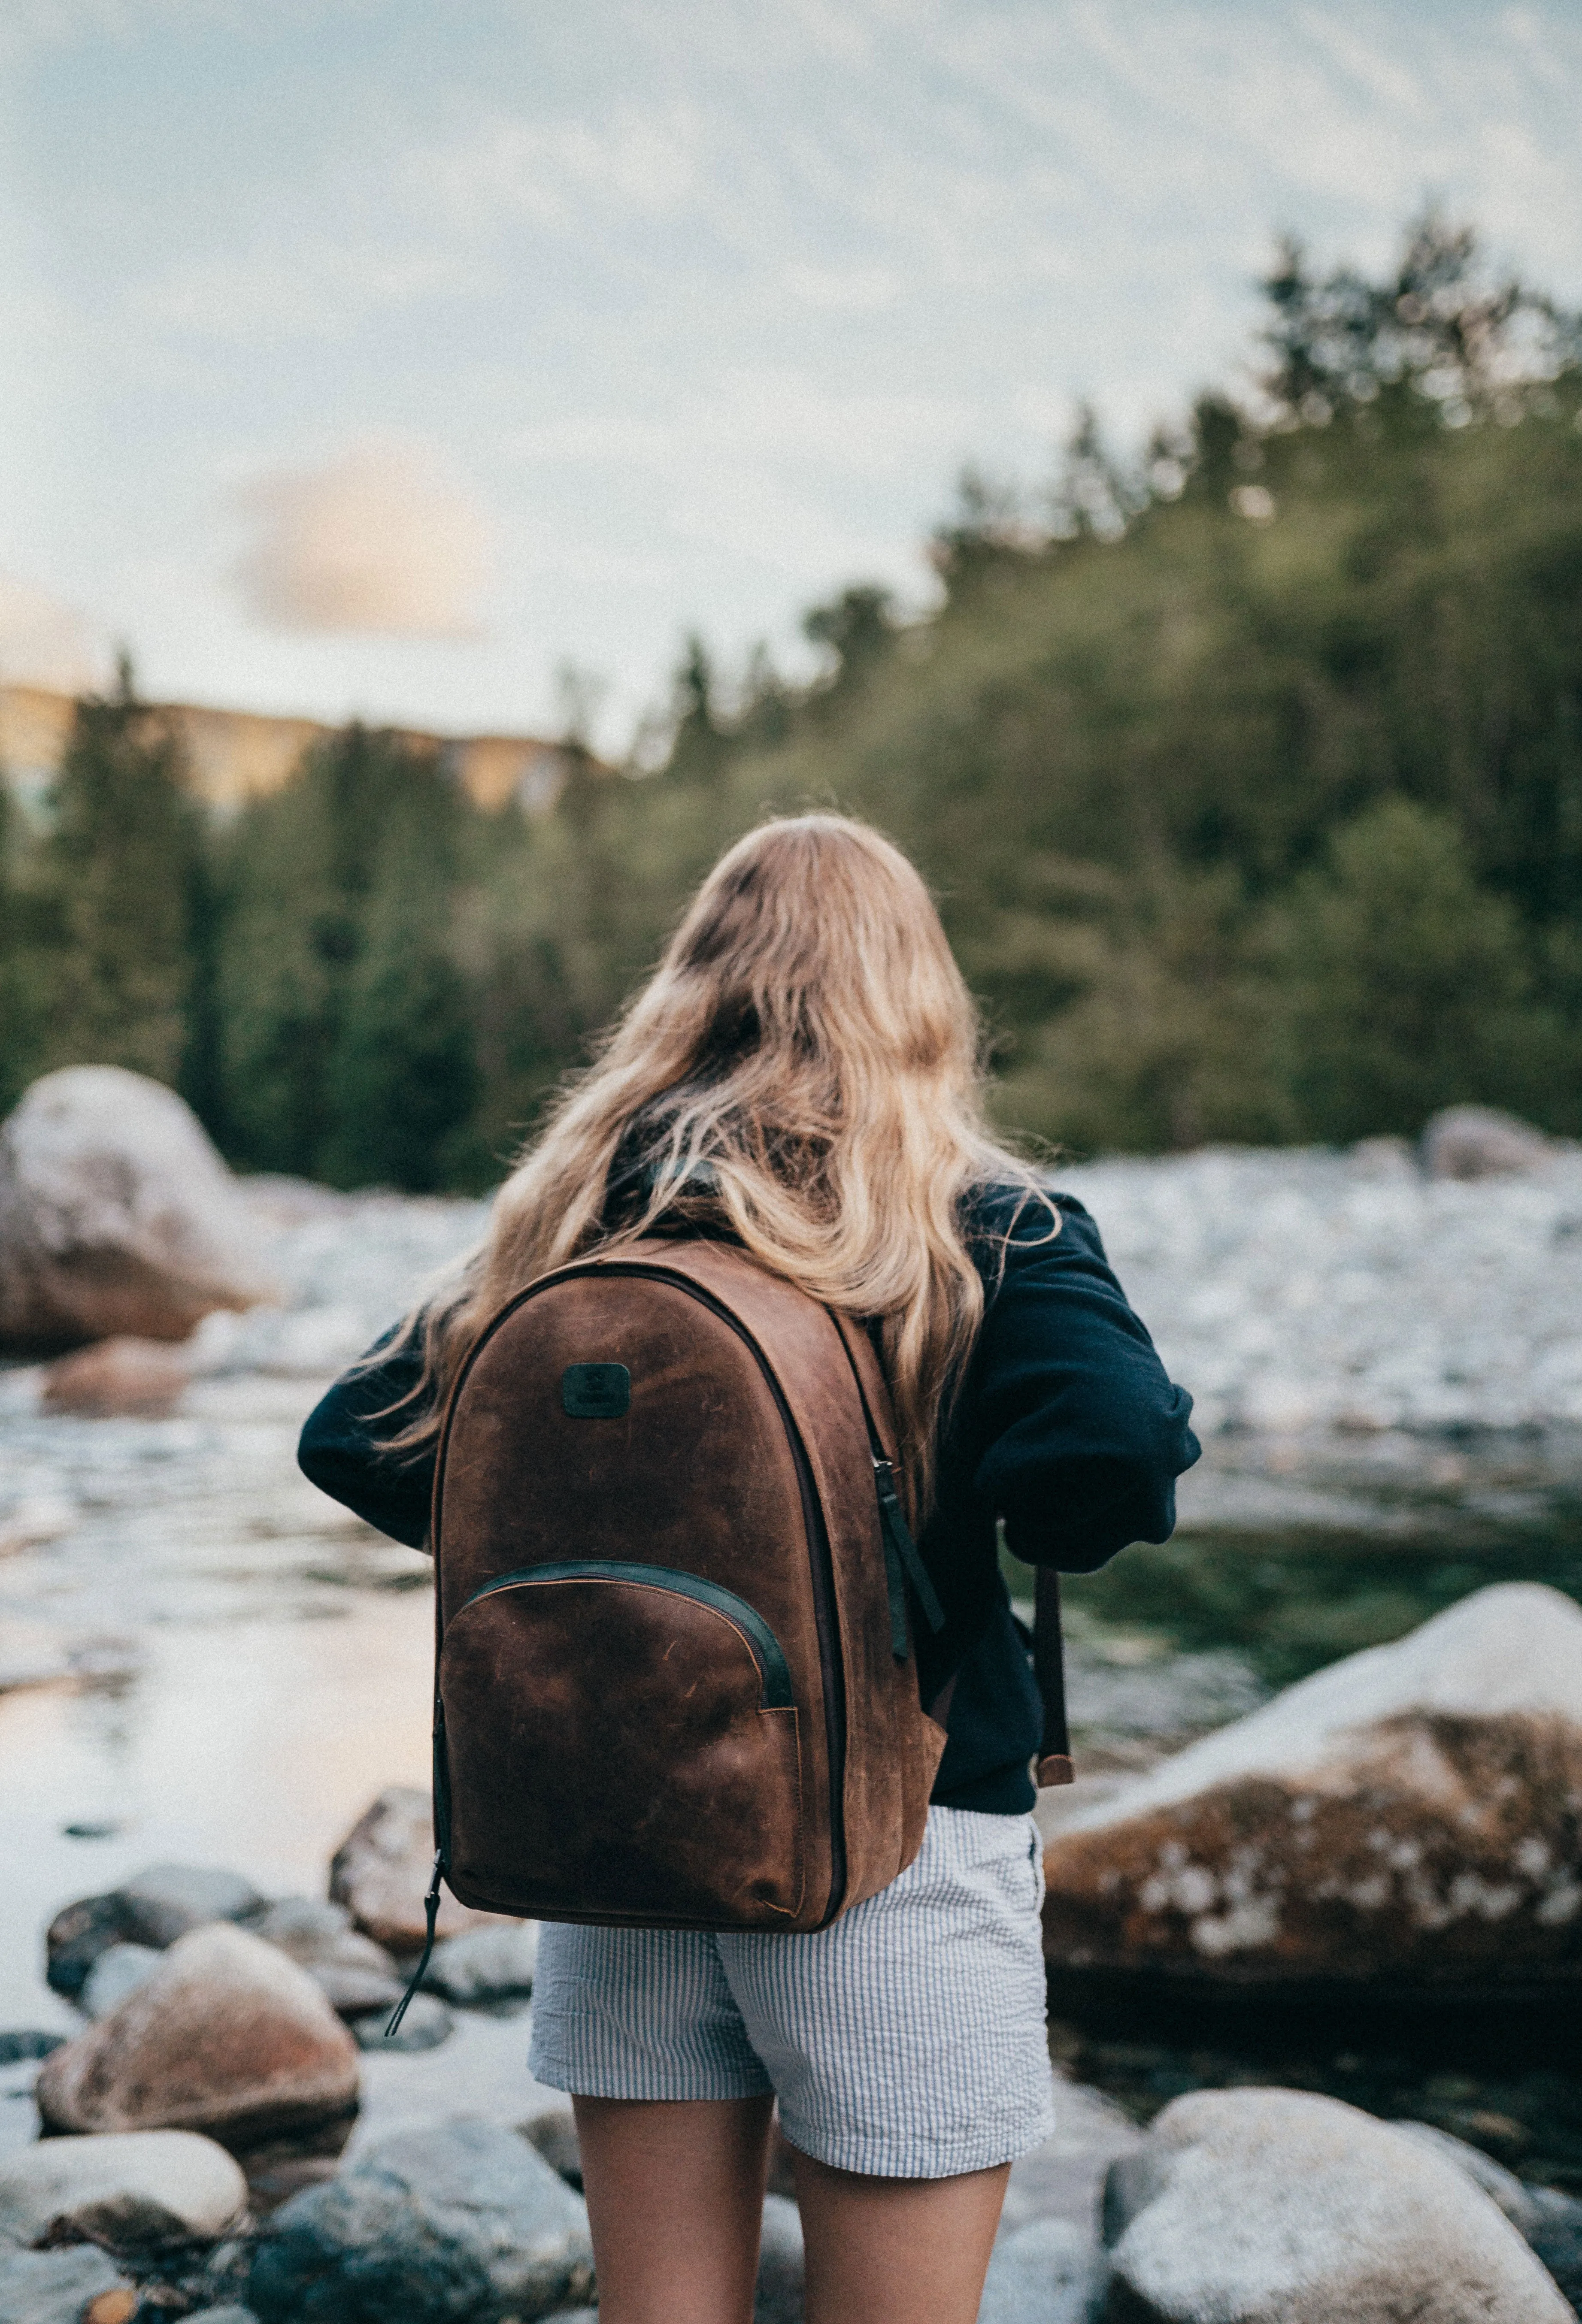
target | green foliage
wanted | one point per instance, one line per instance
(1409, 987)
(99, 963)
(346, 1048)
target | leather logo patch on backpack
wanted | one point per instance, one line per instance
(594, 1391)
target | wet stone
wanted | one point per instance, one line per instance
(778, 2298)
(119, 1970)
(23, 2042)
(55, 2287)
(554, 2134)
(1049, 2271)
(141, 2192)
(425, 2025)
(482, 1965)
(164, 1902)
(461, 2220)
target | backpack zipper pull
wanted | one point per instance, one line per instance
(903, 1564)
(430, 1913)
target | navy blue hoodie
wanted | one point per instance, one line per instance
(1067, 1429)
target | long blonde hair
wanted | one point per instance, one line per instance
(805, 1067)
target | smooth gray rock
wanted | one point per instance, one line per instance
(560, 2316)
(1555, 2236)
(427, 2023)
(1479, 1141)
(231, 2313)
(554, 2134)
(53, 2287)
(1047, 2273)
(1276, 2206)
(135, 2191)
(490, 1964)
(116, 1214)
(300, 1925)
(777, 2298)
(1501, 2186)
(462, 2224)
(119, 1970)
(355, 1993)
(77, 1936)
(162, 1902)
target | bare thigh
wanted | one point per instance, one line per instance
(675, 2200)
(896, 2251)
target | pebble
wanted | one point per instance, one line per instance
(1302, 1289)
(162, 1902)
(119, 1970)
(425, 2025)
(496, 1963)
(23, 2042)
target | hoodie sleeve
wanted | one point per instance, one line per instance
(345, 1448)
(1082, 1434)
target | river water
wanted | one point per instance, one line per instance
(201, 1658)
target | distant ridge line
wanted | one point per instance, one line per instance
(237, 756)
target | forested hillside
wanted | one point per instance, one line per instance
(1251, 782)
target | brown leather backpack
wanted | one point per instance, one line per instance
(673, 1678)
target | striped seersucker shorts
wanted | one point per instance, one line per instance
(906, 2040)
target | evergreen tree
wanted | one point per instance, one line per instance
(115, 891)
(403, 1080)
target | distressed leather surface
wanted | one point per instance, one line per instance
(631, 1774)
(643, 1709)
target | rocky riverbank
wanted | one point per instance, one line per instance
(222, 2150)
(205, 1665)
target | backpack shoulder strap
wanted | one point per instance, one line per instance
(1048, 1669)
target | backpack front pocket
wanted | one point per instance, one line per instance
(622, 1747)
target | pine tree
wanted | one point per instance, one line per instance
(115, 892)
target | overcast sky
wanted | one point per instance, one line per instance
(380, 356)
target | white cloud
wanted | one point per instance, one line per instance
(382, 540)
(44, 642)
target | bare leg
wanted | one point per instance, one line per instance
(896, 2251)
(675, 2200)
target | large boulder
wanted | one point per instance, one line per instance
(138, 2192)
(1479, 1141)
(114, 1379)
(461, 2224)
(116, 1216)
(1275, 2207)
(229, 2037)
(381, 1872)
(1407, 1822)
